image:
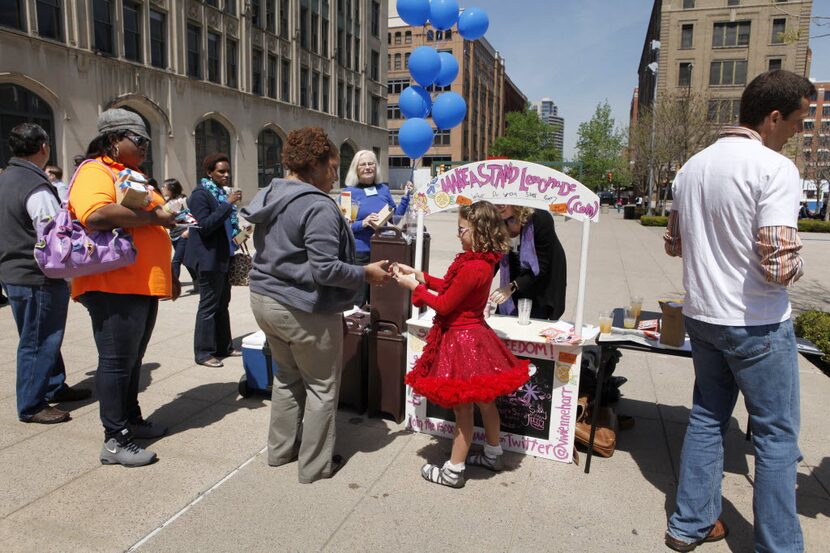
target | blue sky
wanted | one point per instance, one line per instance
(580, 52)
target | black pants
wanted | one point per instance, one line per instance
(362, 297)
(121, 325)
(179, 246)
(212, 337)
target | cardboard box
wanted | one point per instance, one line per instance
(131, 190)
(672, 329)
(346, 205)
(383, 216)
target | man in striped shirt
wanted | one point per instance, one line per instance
(734, 223)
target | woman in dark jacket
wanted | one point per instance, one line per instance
(208, 252)
(536, 268)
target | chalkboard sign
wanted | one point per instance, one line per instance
(526, 411)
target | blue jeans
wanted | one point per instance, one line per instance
(762, 363)
(40, 315)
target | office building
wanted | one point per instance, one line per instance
(549, 113)
(214, 75)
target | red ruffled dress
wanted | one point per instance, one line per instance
(463, 361)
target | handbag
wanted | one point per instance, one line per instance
(65, 249)
(240, 266)
(605, 438)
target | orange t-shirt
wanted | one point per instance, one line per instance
(151, 274)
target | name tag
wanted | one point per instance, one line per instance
(372, 191)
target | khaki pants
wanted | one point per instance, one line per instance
(308, 351)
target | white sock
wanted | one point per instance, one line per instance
(492, 450)
(454, 467)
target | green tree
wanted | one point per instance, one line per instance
(526, 137)
(600, 146)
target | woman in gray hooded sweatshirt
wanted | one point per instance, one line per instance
(304, 276)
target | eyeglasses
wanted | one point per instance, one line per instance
(510, 220)
(462, 230)
(139, 141)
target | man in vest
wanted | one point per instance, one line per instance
(39, 304)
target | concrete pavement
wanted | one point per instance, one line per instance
(212, 490)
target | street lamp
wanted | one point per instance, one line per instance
(654, 68)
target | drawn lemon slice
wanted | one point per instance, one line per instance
(442, 200)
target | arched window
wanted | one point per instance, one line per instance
(398, 38)
(269, 157)
(397, 62)
(147, 166)
(346, 155)
(407, 37)
(430, 36)
(211, 136)
(20, 105)
(448, 34)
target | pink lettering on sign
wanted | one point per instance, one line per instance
(560, 448)
(575, 205)
(501, 175)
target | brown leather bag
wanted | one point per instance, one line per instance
(605, 439)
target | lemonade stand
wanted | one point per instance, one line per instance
(539, 418)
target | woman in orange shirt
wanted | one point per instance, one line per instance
(122, 303)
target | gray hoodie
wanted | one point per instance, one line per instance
(304, 248)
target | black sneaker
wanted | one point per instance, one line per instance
(127, 454)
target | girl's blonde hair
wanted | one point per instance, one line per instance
(351, 175)
(522, 214)
(489, 232)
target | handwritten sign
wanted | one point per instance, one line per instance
(508, 182)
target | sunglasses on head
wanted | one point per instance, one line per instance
(139, 141)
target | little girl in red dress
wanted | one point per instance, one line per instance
(464, 362)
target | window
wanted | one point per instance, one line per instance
(304, 26)
(315, 90)
(304, 87)
(396, 86)
(687, 35)
(272, 76)
(374, 69)
(213, 3)
(213, 58)
(734, 33)
(393, 137)
(808, 141)
(326, 86)
(358, 97)
(230, 7)
(324, 35)
(375, 115)
(211, 137)
(724, 111)
(315, 32)
(393, 111)
(809, 126)
(448, 34)
(256, 13)
(270, 16)
(398, 38)
(49, 21)
(256, 71)
(11, 15)
(269, 157)
(398, 161)
(406, 60)
(20, 105)
(397, 66)
(774, 64)
(341, 100)
(779, 27)
(284, 18)
(688, 4)
(825, 111)
(132, 31)
(684, 76)
(407, 37)
(727, 72)
(194, 60)
(349, 93)
(231, 58)
(811, 113)
(827, 95)
(376, 19)
(103, 31)
(442, 137)
(285, 81)
(356, 53)
(158, 39)
(430, 36)
(733, 2)
(346, 155)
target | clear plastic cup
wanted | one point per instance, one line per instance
(605, 322)
(636, 305)
(524, 306)
(629, 318)
(355, 209)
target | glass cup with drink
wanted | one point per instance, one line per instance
(605, 322)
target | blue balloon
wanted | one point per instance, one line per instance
(414, 12)
(473, 23)
(415, 102)
(424, 65)
(443, 14)
(415, 137)
(449, 69)
(448, 110)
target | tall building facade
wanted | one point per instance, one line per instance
(549, 113)
(214, 75)
(715, 47)
(816, 137)
(481, 81)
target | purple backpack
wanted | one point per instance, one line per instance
(65, 249)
